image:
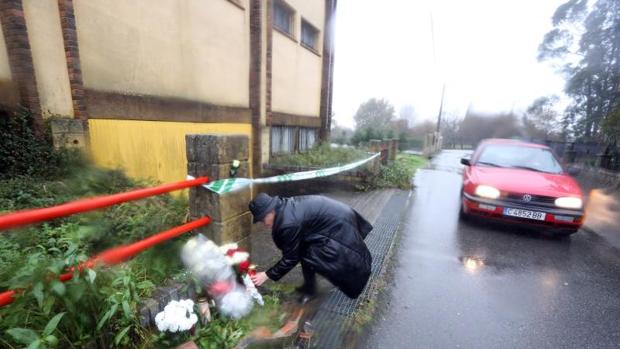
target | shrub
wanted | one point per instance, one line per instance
(399, 173)
(94, 302)
(321, 156)
(24, 154)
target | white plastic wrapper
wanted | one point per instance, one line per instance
(251, 289)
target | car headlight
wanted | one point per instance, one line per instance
(487, 191)
(569, 202)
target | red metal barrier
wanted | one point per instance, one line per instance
(121, 253)
(24, 217)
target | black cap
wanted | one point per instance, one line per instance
(261, 205)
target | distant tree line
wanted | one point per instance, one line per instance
(377, 119)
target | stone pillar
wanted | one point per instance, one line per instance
(212, 155)
(387, 151)
(374, 145)
(70, 133)
(394, 149)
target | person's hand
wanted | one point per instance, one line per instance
(259, 278)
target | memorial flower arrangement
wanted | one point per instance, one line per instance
(219, 268)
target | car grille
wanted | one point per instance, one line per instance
(536, 200)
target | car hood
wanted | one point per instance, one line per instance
(524, 181)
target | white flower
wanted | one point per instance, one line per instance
(176, 316)
(237, 258)
(230, 246)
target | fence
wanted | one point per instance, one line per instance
(114, 255)
(594, 154)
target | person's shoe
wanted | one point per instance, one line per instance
(305, 298)
(304, 289)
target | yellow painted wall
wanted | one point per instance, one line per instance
(150, 149)
(7, 92)
(296, 82)
(48, 56)
(192, 49)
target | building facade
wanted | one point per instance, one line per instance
(141, 74)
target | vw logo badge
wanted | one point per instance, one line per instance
(527, 198)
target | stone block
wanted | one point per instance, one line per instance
(149, 308)
(216, 149)
(69, 140)
(145, 317)
(375, 145)
(216, 171)
(66, 125)
(203, 202)
(246, 244)
(393, 149)
(384, 156)
(231, 230)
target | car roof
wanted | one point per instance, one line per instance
(517, 142)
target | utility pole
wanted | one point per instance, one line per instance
(443, 91)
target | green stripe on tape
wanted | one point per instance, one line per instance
(228, 185)
(231, 184)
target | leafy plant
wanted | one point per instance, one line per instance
(31, 338)
(398, 174)
(321, 156)
(32, 258)
(22, 153)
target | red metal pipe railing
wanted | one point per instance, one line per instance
(19, 218)
(119, 254)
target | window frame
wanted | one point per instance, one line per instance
(292, 21)
(296, 138)
(317, 34)
(238, 3)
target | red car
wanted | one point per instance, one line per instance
(521, 182)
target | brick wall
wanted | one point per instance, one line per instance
(72, 53)
(20, 58)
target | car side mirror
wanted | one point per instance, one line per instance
(465, 161)
(574, 171)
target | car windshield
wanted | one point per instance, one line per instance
(523, 157)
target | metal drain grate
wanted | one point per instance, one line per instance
(332, 316)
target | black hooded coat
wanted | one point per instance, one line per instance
(324, 235)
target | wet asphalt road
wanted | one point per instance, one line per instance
(476, 285)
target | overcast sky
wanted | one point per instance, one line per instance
(485, 51)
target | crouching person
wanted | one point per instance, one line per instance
(326, 236)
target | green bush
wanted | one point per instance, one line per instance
(398, 174)
(321, 156)
(94, 302)
(24, 154)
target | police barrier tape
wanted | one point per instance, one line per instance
(222, 186)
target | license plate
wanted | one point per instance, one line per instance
(514, 212)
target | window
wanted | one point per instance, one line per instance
(282, 140)
(287, 140)
(307, 137)
(283, 17)
(309, 36)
